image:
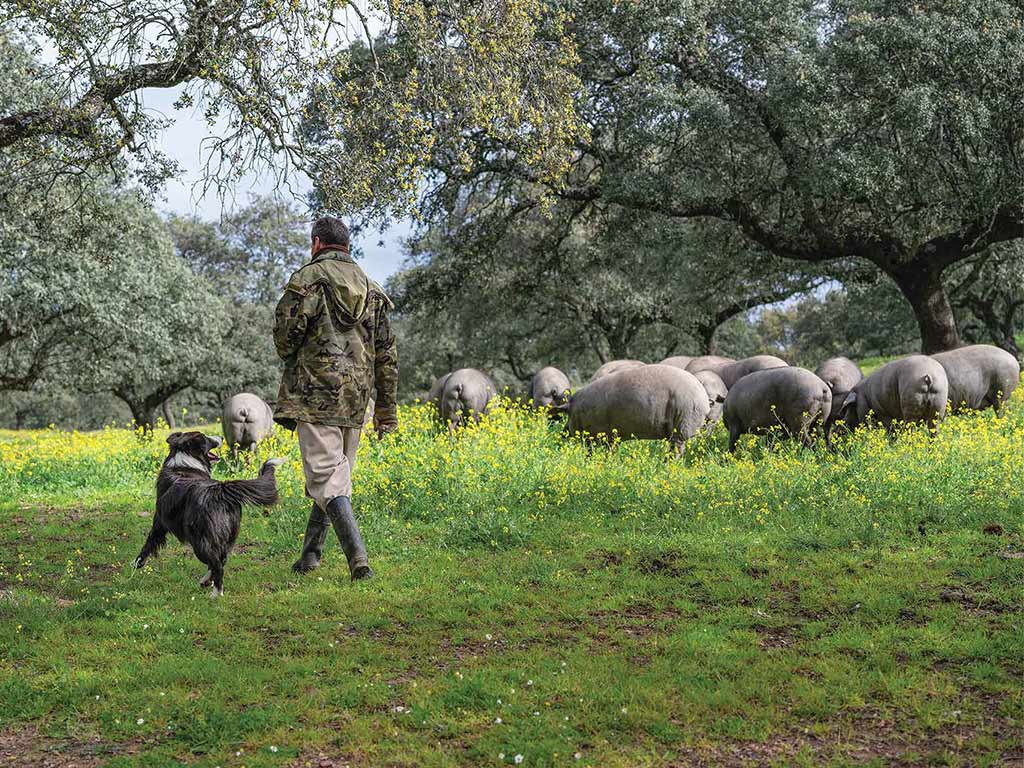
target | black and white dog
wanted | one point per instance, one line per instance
(199, 510)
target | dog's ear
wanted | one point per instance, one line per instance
(175, 439)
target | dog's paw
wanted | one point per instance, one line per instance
(216, 593)
(206, 580)
(274, 462)
(138, 562)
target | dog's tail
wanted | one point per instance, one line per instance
(260, 492)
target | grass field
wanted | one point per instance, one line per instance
(533, 605)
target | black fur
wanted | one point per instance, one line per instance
(199, 510)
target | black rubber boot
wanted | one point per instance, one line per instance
(313, 543)
(339, 510)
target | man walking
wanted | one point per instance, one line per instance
(333, 333)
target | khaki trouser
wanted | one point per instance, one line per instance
(328, 458)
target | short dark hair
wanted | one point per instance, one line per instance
(330, 230)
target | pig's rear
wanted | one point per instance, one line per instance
(655, 402)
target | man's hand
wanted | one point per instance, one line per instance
(385, 420)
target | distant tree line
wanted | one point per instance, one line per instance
(115, 314)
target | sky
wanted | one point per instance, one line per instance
(183, 142)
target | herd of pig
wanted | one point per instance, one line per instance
(679, 397)
(675, 399)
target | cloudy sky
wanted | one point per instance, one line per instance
(183, 142)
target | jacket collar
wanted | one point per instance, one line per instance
(332, 252)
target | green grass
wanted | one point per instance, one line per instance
(784, 607)
(870, 364)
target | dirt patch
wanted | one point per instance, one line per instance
(770, 638)
(973, 603)
(470, 649)
(652, 563)
(662, 564)
(273, 639)
(640, 620)
(785, 599)
(756, 571)
(377, 634)
(26, 747)
(642, 623)
(322, 760)
(604, 559)
(870, 738)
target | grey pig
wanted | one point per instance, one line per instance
(793, 398)
(980, 376)
(842, 375)
(652, 402)
(911, 389)
(548, 387)
(246, 420)
(713, 363)
(466, 395)
(733, 372)
(679, 361)
(434, 395)
(614, 366)
(717, 392)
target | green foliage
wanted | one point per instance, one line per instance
(389, 84)
(989, 293)
(129, 311)
(515, 289)
(249, 253)
(531, 599)
(857, 321)
(68, 279)
(824, 132)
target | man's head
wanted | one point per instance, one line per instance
(327, 231)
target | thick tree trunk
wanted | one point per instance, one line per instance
(923, 289)
(144, 415)
(169, 414)
(618, 352)
(143, 411)
(999, 322)
(620, 343)
(1009, 342)
(706, 334)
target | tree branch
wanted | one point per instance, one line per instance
(78, 121)
(1006, 222)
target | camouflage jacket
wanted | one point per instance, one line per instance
(332, 330)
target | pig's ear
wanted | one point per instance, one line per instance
(849, 402)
